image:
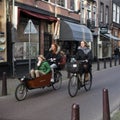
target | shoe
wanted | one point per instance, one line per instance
(52, 80)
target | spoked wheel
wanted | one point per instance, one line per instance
(21, 92)
(73, 85)
(88, 81)
(58, 80)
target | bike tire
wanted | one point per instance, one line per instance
(58, 80)
(88, 83)
(73, 85)
(21, 92)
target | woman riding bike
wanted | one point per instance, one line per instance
(54, 58)
(84, 55)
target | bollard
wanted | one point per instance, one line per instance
(115, 62)
(104, 63)
(75, 112)
(119, 60)
(106, 110)
(110, 62)
(98, 65)
(4, 84)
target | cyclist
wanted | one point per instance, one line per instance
(54, 58)
(84, 53)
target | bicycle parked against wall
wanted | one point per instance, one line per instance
(78, 80)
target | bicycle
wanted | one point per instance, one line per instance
(43, 81)
(77, 81)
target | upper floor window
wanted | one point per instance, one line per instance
(106, 14)
(118, 15)
(61, 3)
(101, 12)
(114, 12)
(72, 5)
(75, 5)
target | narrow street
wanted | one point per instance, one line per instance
(47, 104)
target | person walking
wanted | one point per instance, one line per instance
(116, 54)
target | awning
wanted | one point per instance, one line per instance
(74, 32)
(110, 36)
(37, 15)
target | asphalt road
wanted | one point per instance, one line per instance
(47, 104)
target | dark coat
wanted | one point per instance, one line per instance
(84, 54)
(52, 55)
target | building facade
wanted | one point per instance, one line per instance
(20, 19)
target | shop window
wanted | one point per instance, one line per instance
(22, 50)
(3, 48)
(3, 43)
(22, 47)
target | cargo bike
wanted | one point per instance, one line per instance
(77, 80)
(27, 83)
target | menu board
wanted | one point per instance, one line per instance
(2, 48)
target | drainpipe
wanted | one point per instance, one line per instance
(13, 37)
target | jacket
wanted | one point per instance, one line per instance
(44, 67)
(84, 54)
(57, 56)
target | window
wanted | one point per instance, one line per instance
(118, 15)
(114, 12)
(106, 14)
(61, 3)
(72, 5)
(101, 12)
(22, 48)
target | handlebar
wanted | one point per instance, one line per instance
(51, 60)
(81, 61)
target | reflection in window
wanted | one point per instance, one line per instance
(22, 50)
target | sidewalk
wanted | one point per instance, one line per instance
(13, 82)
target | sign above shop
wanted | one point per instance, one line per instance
(103, 30)
(30, 28)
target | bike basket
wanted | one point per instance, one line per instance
(72, 67)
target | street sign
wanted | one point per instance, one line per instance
(30, 28)
(103, 30)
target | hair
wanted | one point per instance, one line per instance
(56, 46)
(86, 45)
(41, 56)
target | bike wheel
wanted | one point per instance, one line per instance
(21, 92)
(88, 82)
(58, 80)
(73, 85)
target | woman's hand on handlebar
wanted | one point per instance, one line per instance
(52, 59)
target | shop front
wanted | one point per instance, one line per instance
(106, 44)
(4, 66)
(39, 42)
(71, 34)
